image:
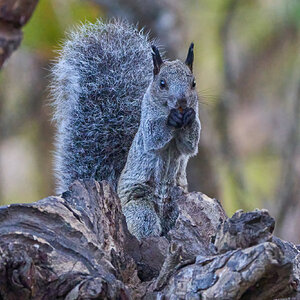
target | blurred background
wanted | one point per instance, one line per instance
(247, 66)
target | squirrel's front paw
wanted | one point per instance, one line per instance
(175, 118)
(188, 116)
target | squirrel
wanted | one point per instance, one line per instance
(127, 116)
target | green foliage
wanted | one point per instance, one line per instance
(50, 20)
(261, 173)
(294, 12)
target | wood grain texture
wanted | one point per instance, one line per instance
(77, 246)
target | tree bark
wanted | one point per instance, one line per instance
(13, 15)
(77, 246)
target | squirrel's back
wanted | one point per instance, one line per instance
(98, 84)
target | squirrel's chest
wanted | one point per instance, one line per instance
(166, 169)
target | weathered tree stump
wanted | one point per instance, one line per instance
(77, 246)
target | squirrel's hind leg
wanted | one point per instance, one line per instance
(142, 219)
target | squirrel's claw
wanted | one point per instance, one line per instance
(175, 118)
(188, 116)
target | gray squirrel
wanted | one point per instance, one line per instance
(126, 116)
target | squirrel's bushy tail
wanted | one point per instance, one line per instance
(99, 80)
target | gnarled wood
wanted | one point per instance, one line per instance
(77, 246)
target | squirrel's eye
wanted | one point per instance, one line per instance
(193, 83)
(162, 84)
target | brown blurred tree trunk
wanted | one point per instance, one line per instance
(13, 15)
(161, 18)
(288, 194)
(227, 101)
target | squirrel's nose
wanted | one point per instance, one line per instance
(182, 103)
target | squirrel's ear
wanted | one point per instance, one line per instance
(157, 61)
(190, 57)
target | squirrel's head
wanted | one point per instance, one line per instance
(173, 84)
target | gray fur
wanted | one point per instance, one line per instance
(159, 153)
(98, 84)
(105, 97)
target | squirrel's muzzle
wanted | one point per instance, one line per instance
(182, 103)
